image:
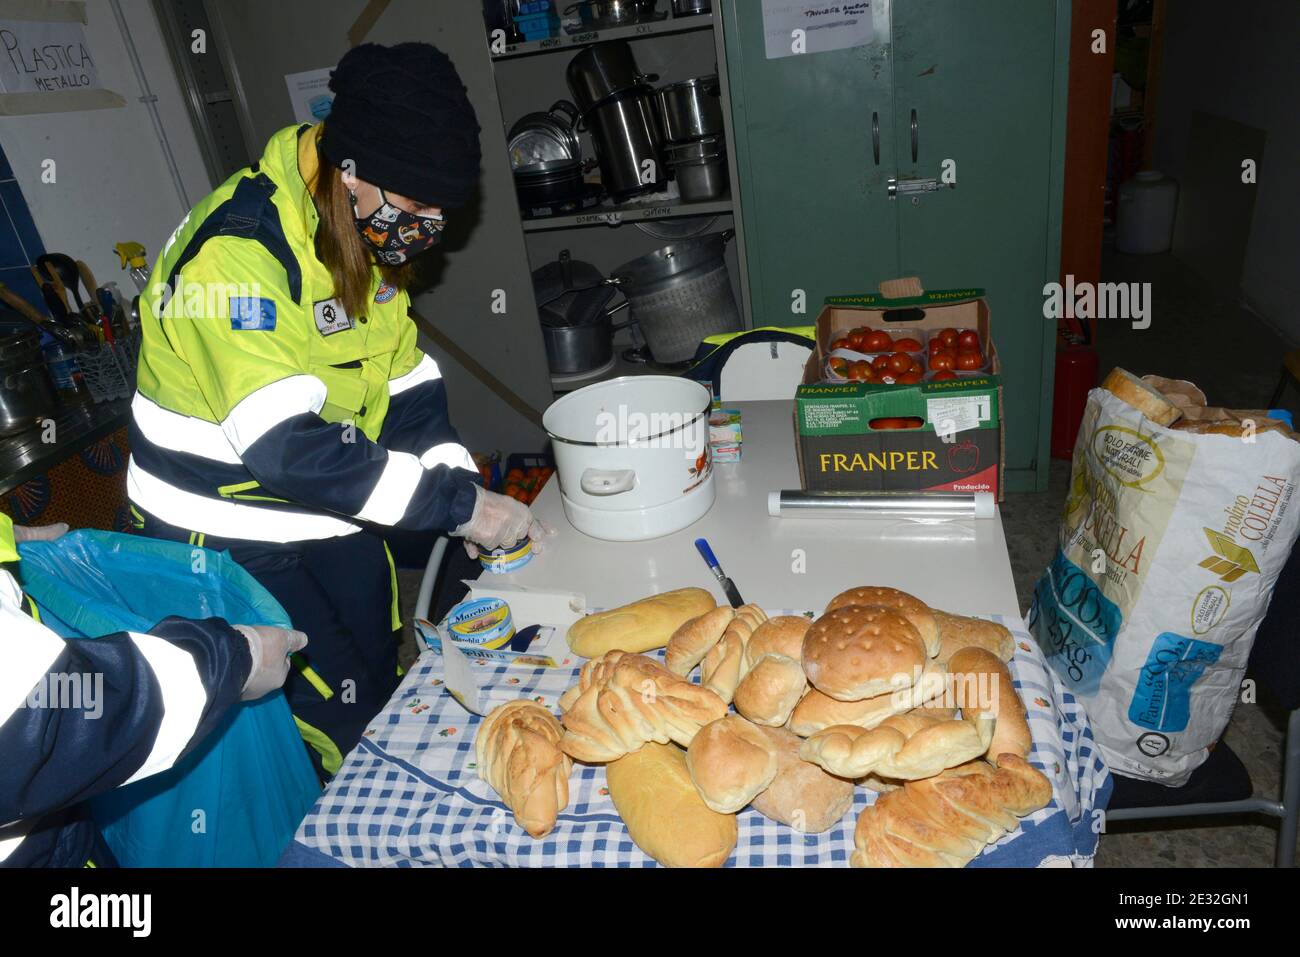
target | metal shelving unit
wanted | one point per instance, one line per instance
(639, 212)
(631, 31)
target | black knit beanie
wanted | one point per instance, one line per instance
(401, 114)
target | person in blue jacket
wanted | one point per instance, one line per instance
(80, 717)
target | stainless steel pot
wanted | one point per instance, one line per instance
(626, 133)
(690, 109)
(603, 70)
(26, 393)
(613, 12)
(687, 8)
(548, 137)
(700, 168)
(549, 184)
(679, 294)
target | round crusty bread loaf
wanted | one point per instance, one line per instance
(860, 651)
(909, 606)
(802, 795)
(730, 762)
(782, 635)
(663, 811)
(771, 689)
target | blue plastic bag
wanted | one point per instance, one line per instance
(236, 800)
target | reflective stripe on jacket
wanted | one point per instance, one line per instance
(264, 411)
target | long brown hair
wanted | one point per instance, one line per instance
(341, 249)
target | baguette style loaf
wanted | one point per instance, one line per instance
(664, 813)
(641, 626)
(945, 821)
(518, 754)
(978, 674)
(628, 700)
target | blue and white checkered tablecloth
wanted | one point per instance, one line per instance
(409, 793)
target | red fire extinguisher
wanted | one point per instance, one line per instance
(1077, 367)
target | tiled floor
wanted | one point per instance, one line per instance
(1186, 341)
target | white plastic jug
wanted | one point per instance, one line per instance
(1146, 214)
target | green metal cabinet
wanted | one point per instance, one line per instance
(980, 84)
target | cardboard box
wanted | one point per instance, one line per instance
(847, 434)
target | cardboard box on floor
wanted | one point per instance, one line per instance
(959, 446)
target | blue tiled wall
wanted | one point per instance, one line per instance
(20, 242)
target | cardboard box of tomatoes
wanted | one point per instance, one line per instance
(902, 394)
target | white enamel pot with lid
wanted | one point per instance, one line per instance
(632, 456)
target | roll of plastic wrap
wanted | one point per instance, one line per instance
(927, 506)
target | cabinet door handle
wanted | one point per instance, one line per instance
(875, 136)
(914, 136)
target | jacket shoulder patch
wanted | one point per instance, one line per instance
(252, 313)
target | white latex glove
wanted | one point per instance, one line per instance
(40, 533)
(270, 648)
(499, 520)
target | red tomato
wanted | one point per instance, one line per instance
(838, 366)
(840, 343)
(911, 377)
(904, 422)
(948, 337)
(900, 362)
(943, 359)
(943, 375)
(856, 342)
(859, 370)
(880, 364)
(907, 345)
(878, 341)
(969, 359)
(968, 339)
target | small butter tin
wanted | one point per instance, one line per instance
(484, 621)
(509, 558)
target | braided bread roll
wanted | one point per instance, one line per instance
(627, 700)
(945, 821)
(906, 747)
(518, 753)
(724, 665)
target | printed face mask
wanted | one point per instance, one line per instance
(394, 234)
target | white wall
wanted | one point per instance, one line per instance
(112, 182)
(1239, 61)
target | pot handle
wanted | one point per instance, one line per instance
(727, 235)
(607, 481)
(565, 106)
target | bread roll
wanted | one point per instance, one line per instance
(768, 693)
(860, 651)
(663, 811)
(730, 762)
(640, 626)
(1141, 396)
(517, 750)
(909, 606)
(724, 665)
(693, 639)
(802, 795)
(816, 710)
(628, 700)
(983, 685)
(958, 631)
(782, 635)
(945, 821)
(906, 747)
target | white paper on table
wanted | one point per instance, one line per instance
(458, 678)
